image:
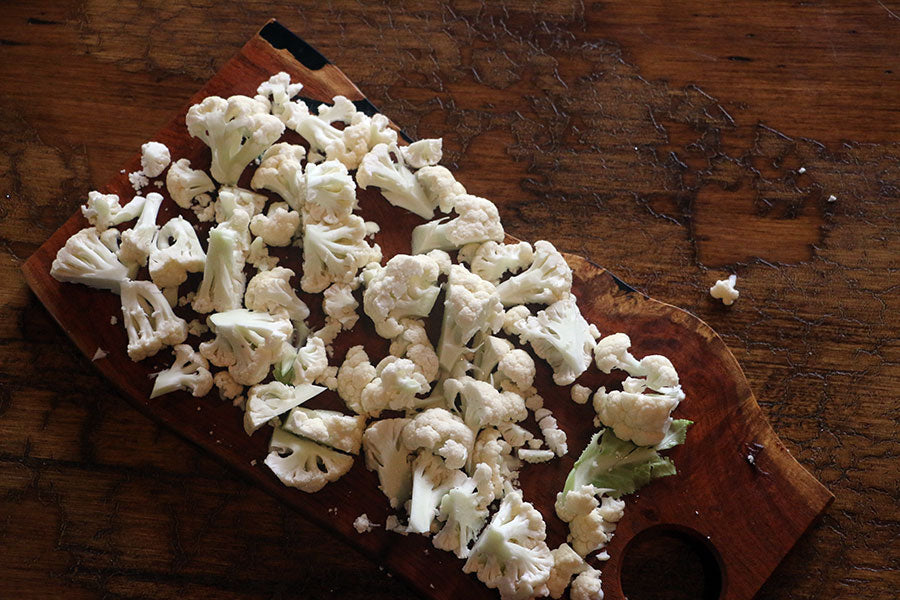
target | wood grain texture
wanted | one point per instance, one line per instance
(601, 121)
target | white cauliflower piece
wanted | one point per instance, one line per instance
(442, 433)
(510, 554)
(440, 187)
(636, 413)
(149, 320)
(229, 389)
(189, 372)
(587, 586)
(89, 258)
(478, 221)
(591, 521)
(247, 342)
(174, 253)
(265, 401)
(137, 241)
(396, 384)
(431, 481)
(362, 135)
(278, 226)
(463, 516)
(237, 130)
(325, 140)
(304, 464)
(724, 290)
(553, 435)
(277, 91)
(397, 183)
(259, 256)
(104, 211)
(492, 450)
(281, 171)
(333, 253)
(612, 353)
(482, 405)
(517, 366)
(222, 287)
(233, 198)
(546, 281)
(580, 394)
(185, 184)
(413, 344)
(389, 458)
(492, 260)
(307, 364)
(362, 524)
(566, 563)
(271, 291)
(405, 287)
(422, 153)
(340, 305)
(329, 427)
(330, 192)
(155, 158)
(488, 355)
(355, 374)
(535, 455)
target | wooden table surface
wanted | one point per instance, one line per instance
(672, 142)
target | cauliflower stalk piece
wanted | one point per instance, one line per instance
(547, 280)
(281, 171)
(442, 433)
(265, 401)
(329, 427)
(397, 183)
(271, 291)
(247, 342)
(149, 320)
(137, 241)
(278, 226)
(174, 253)
(237, 130)
(561, 336)
(389, 458)
(189, 372)
(304, 464)
(185, 184)
(104, 211)
(463, 516)
(405, 287)
(431, 481)
(478, 221)
(333, 253)
(222, 288)
(591, 521)
(89, 257)
(510, 554)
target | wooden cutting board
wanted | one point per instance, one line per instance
(738, 494)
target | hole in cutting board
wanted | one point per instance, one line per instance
(674, 550)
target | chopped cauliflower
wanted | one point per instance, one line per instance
(174, 253)
(518, 367)
(247, 342)
(396, 384)
(277, 91)
(137, 241)
(587, 586)
(494, 451)
(413, 344)
(331, 428)
(482, 405)
(440, 187)
(155, 158)
(89, 257)
(547, 280)
(304, 464)
(389, 458)
(265, 401)
(186, 184)
(281, 171)
(566, 564)
(330, 192)
(530, 455)
(463, 513)
(222, 287)
(724, 290)
(355, 374)
(441, 432)
(397, 183)
(278, 226)
(422, 153)
(478, 221)
(362, 524)
(189, 372)
(149, 320)
(104, 211)
(405, 287)
(271, 291)
(636, 413)
(333, 253)
(229, 389)
(591, 521)
(492, 260)
(340, 305)
(580, 394)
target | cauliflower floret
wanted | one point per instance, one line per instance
(478, 221)
(333, 253)
(636, 415)
(103, 210)
(470, 307)
(442, 433)
(355, 374)
(278, 226)
(174, 253)
(277, 91)
(396, 384)
(482, 405)
(149, 320)
(265, 401)
(361, 136)
(330, 192)
(222, 287)
(246, 342)
(547, 280)
(561, 336)
(189, 372)
(580, 394)
(587, 586)
(229, 389)
(340, 305)
(304, 464)
(329, 427)
(493, 450)
(463, 514)
(389, 458)
(517, 366)
(566, 563)
(259, 256)
(271, 291)
(724, 290)
(233, 198)
(185, 184)
(155, 158)
(281, 171)
(307, 364)
(591, 521)
(397, 183)
(237, 130)
(553, 435)
(510, 554)
(137, 241)
(413, 344)
(488, 355)
(440, 187)
(492, 260)
(325, 140)
(405, 287)
(612, 353)
(423, 153)
(431, 482)
(89, 258)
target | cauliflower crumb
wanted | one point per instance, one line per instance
(138, 180)
(197, 327)
(392, 523)
(724, 290)
(535, 456)
(801, 170)
(832, 198)
(362, 524)
(186, 299)
(113, 320)
(580, 394)
(534, 402)
(100, 354)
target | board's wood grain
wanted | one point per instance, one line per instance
(751, 514)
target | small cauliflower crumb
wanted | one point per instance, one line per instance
(113, 320)
(100, 354)
(832, 198)
(801, 170)
(393, 524)
(362, 524)
(138, 181)
(724, 290)
(197, 327)
(535, 456)
(580, 394)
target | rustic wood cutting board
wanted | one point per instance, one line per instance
(738, 491)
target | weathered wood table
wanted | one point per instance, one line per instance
(669, 142)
